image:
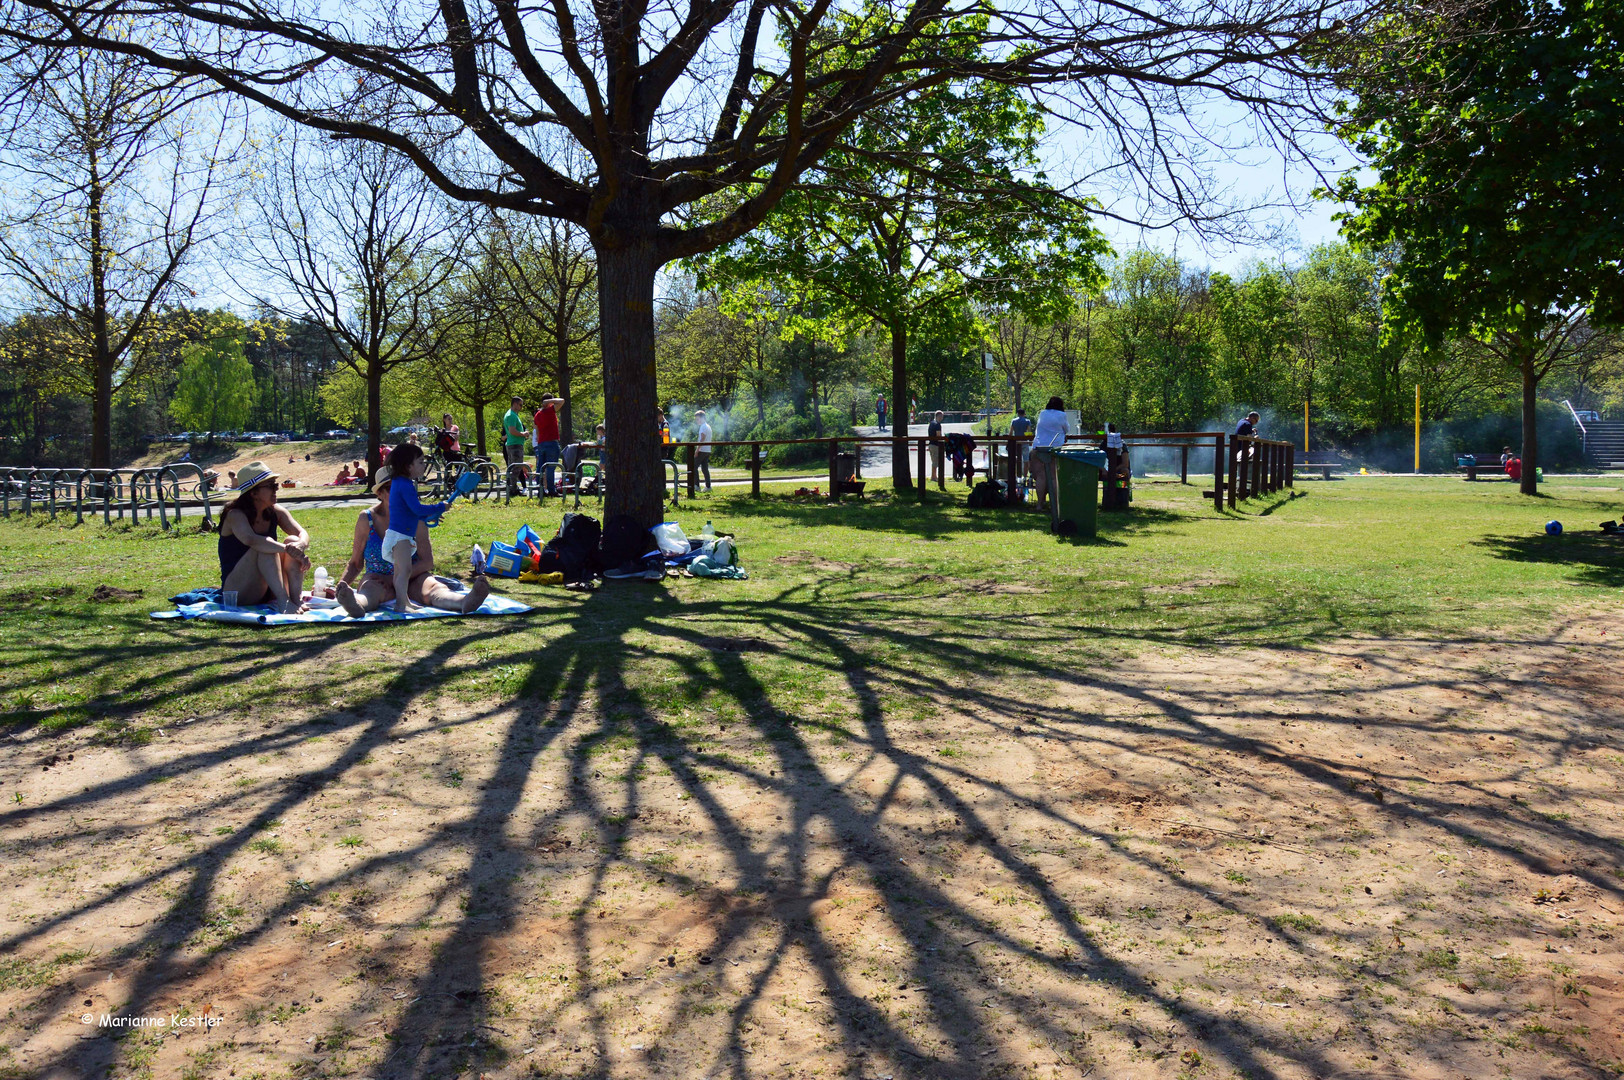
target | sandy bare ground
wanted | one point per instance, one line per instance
(326, 457)
(1376, 858)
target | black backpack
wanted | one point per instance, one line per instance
(624, 541)
(985, 495)
(574, 551)
(580, 531)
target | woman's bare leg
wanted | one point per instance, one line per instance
(373, 594)
(430, 590)
(271, 572)
(293, 569)
(402, 558)
(247, 580)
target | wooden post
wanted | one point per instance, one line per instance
(834, 482)
(1012, 465)
(1257, 470)
(693, 472)
(755, 470)
(921, 476)
(1291, 466)
(1218, 472)
(1234, 470)
(1184, 464)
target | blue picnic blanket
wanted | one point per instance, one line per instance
(188, 607)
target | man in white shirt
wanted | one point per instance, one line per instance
(702, 451)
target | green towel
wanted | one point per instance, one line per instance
(702, 567)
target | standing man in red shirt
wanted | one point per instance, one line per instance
(548, 450)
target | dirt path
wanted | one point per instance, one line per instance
(308, 464)
(1375, 858)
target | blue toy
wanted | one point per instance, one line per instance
(466, 483)
(1553, 528)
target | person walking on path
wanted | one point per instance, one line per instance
(879, 409)
(702, 451)
(549, 452)
(934, 433)
(1049, 435)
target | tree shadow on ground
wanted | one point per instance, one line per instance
(1596, 558)
(659, 720)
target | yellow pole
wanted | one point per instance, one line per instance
(1417, 427)
(1305, 427)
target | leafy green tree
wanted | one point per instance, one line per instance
(478, 364)
(665, 131)
(357, 242)
(544, 293)
(1499, 175)
(217, 390)
(931, 203)
(1161, 328)
(119, 188)
(1256, 324)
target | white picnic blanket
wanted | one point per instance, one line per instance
(267, 615)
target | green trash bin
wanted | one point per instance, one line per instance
(1074, 484)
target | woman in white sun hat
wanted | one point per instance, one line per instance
(253, 563)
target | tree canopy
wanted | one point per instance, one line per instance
(932, 206)
(1499, 173)
(669, 129)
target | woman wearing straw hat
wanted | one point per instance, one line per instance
(377, 587)
(253, 562)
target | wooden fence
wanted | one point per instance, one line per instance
(1242, 467)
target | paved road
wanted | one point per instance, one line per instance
(877, 459)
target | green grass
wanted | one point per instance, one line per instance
(942, 592)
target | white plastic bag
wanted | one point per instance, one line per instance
(670, 538)
(720, 551)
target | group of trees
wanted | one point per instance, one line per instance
(458, 202)
(1159, 344)
(354, 268)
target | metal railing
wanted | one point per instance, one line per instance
(122, 491)
(1583, 434)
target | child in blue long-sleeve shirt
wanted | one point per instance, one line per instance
(407, 464)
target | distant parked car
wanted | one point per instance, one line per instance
(336, 433)
(1588, 416)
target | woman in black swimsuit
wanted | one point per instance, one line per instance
(253, 562)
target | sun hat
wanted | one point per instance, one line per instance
(382, 477)
(253, 474)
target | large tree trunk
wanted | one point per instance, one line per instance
(101, 390)
(636, 481)
(1530, 436)
(566, 411)
(901, 475)
(101, 409)
(374, 419)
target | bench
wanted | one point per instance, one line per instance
(1488, 464)
(1320, 463)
